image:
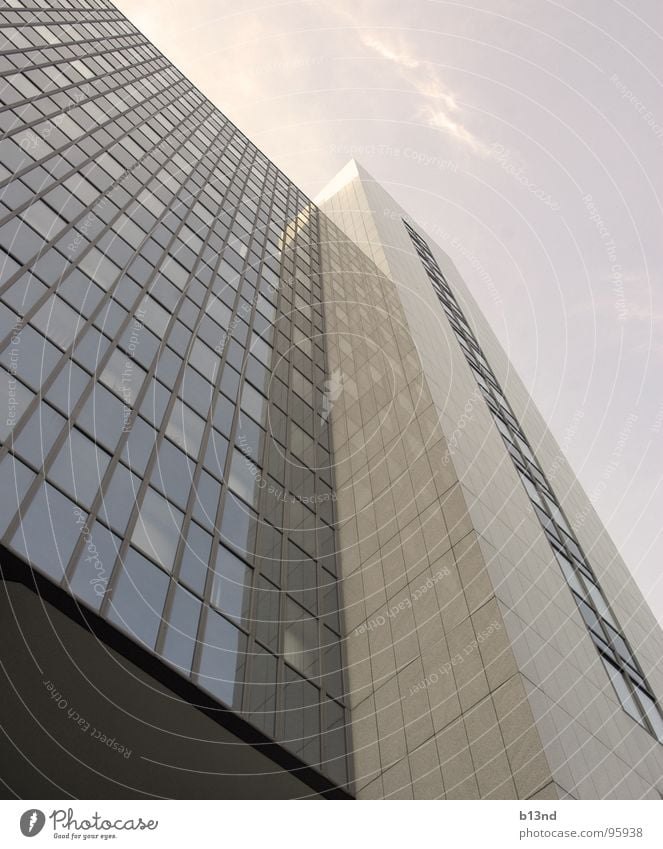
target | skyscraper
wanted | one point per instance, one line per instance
(278, 519)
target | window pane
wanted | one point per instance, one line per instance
(208, 492)
(16, 478)
(95, 564)
(238, 525)
(139, 593)
(58, 322)
(302, 717)
(68, 387)
(215, 454)
(301, 639)
(103, 416)
(185, 428)
(123, 376)
(195, 558)
(254, 403)
(157, 530)
(262, 694)
(242, 478)
(48, 531)
(119, 498)
(79, 467)
(623, 692)
(139, 444)
(231, 586)
(14, 397)
(173, 473)
(180, 639)
(222, 659)
(39, 434)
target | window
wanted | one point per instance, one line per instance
(302, 717)
(185, 428)
(180, 638)
(48, 531)
(262, 694)
(231, 585)
(195, 558)
(138, 447)
(222, 659)
(91, 579)
(138, 597)
(300, 646)
(173, 473)
(622, 689)
(123, 376)
(238, 525)
(208, 492)
(17, 478)
(157, 530)
(254, 403)
(103, 417)
(39, 434)
(79, 467)
(243, 478)
(215, 454)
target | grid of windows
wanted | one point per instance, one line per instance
(623, 669)
(163, 367)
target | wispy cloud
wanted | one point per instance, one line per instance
(438, 102)
(399, 57)
(440, 120)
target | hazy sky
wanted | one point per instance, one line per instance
(527, 138)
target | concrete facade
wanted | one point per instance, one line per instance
(427, 488)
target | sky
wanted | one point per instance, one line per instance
(527, 138)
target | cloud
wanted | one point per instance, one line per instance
(438, 103)
(399, 57)
(440, 120)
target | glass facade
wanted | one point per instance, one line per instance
(165, 458)
(624, 671)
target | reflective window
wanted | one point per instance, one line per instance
(123, 376)
(139, 444)
(208, 492)
(300, 641)
(16, 479)
(48, 531)
(215, 454)
(267, 613)
(231, 585)
(180, 638)
(119, 497)
(39, 434)
(195, 558)
(138, 596)
(104, 417)
(68, 387)
(185, 428)
(173, 473)
(91, 579)
(157, 530)
(79, 467)
(238, 524)
(262, 693)
(222, 659)
(301, 717)
(243, 478)
(58, 321)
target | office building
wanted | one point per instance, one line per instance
(277, 517)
